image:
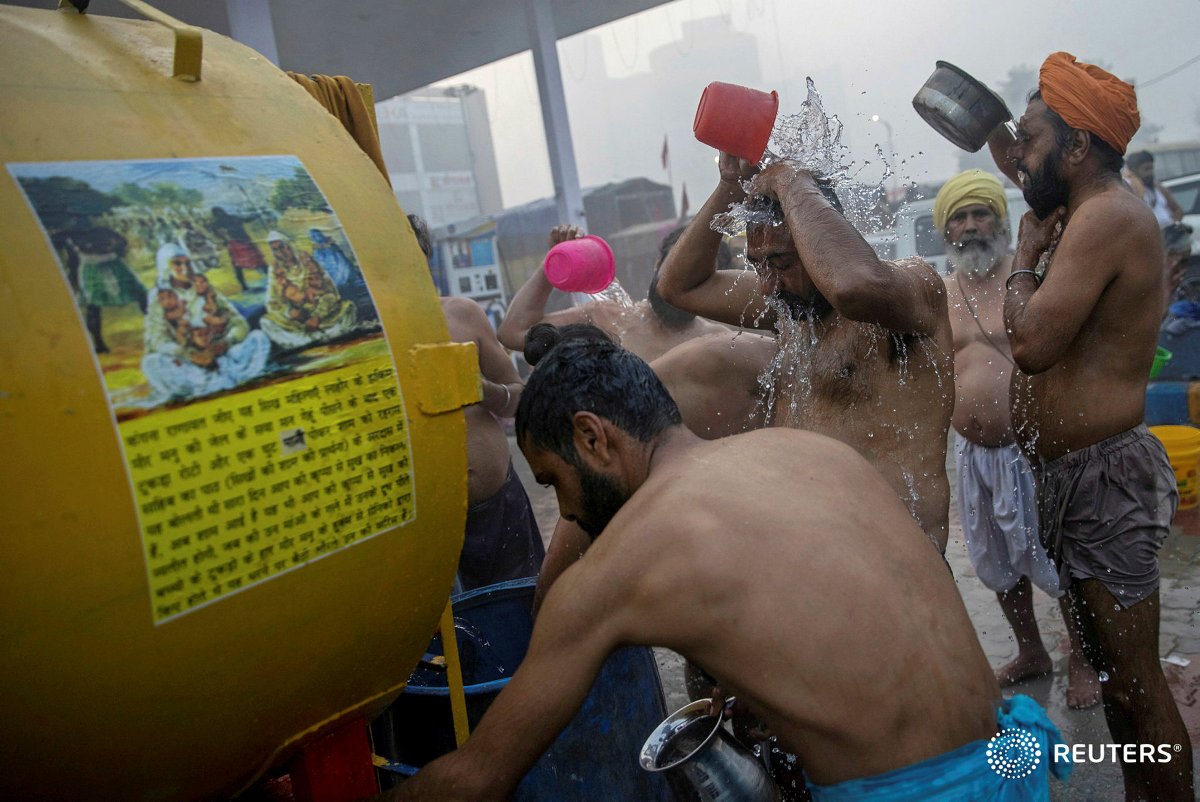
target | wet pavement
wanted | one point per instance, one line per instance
(1179, 640)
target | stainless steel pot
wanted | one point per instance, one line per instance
(702, 760)
(959, 107)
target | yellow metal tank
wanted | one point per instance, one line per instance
(234, 479)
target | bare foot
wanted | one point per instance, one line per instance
(1023, 667)
(1083, 686)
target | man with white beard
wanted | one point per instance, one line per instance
(996, 496)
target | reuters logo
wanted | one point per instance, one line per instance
(1014, 753)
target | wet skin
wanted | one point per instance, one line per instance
(777, 576)
(637, 328)
(983, 369)
(893, 406)
(1085, 339)
(982, 356)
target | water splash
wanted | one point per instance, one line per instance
(810, 139)
(614, 293)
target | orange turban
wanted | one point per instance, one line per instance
(1090, 98)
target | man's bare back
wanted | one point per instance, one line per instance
(797, 584)
(636, 328)
(487, 445)
(829, 571)
(715, 380)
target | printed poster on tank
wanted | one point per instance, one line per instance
(253, 392)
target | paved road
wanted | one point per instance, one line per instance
(1179, 638)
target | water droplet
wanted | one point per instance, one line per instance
(1102, 676)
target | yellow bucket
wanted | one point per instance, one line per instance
(1183, 449)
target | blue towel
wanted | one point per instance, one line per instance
(966, 773)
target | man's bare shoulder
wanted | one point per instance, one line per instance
(1116, 209)
(915, 263)
(716, 353)
(465, 319)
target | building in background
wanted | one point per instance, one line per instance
(488, 258)
(437, 144)
(664, 98)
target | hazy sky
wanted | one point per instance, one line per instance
(866, 57)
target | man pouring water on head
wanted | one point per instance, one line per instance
(1082, 307)
(835, 623)
(866, 354)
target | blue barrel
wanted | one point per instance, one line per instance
(1167, 403)
(593, 759)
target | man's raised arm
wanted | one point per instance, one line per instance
(528, 306)
(689, 279)
(999, 143)
(499, 380)
(844, 266)
(1043, 320)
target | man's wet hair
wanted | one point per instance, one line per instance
(591, 374)
(1110, 158)
(763, 209)
(543, 336)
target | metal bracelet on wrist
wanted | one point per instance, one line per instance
(1015, 273)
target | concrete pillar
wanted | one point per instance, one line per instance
(250, 23)
(554, 112)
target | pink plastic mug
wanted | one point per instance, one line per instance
(736, 119)
(580, 265)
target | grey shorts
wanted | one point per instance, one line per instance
(1105, 510)
(998, 506)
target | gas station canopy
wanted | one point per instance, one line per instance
(394, 45)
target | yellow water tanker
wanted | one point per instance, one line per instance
(234, 479)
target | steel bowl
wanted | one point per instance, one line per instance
(959, 107)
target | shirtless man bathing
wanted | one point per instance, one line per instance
(1083, 337)
(798, 584)
(865, 350)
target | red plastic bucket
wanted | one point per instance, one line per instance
(736, 119)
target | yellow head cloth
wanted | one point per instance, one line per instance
(965, 189)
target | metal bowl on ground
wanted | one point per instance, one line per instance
(959, 107)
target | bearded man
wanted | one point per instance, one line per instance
(1083, 335)
(996, 497)
(865, 351)
(781, 563)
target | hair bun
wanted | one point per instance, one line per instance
(538, 342)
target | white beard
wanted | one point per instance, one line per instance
(980, 255)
